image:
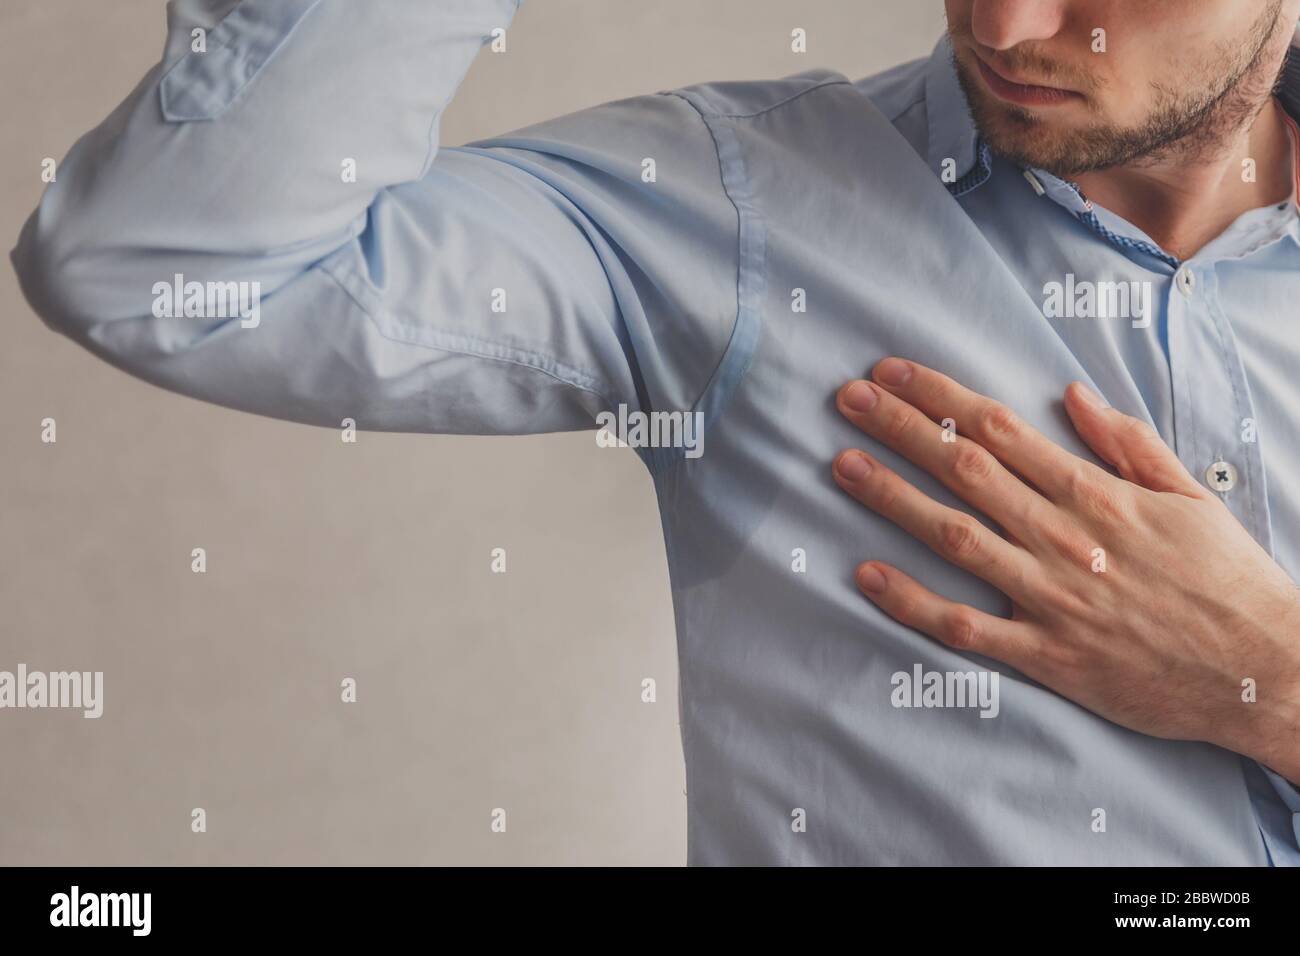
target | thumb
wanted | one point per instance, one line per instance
(1133, 447)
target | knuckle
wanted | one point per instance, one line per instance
(999, 424)
(1100, 499)
(961, 629)
(1138, 430)
(899, 423)
(887, 495)
(959, 537)
(1075, 481)
(906, 606)
(971, 464)
(1069, 542)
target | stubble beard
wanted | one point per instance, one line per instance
(1182, 126)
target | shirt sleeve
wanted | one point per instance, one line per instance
(268, 223)
(1290, 795)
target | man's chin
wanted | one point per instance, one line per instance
(1011, 132)
(1026, 138)
(1030, 147)
(1021, 137)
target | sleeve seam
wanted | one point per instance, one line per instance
(473, 347)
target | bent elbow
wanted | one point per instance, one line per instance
(56, 278)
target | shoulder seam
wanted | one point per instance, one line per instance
(691, 96)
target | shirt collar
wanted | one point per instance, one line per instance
(953, 137)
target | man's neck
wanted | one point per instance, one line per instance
(1184, 203)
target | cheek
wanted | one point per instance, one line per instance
(1133, 58)
(1125, 100)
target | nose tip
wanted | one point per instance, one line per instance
(1002, 24)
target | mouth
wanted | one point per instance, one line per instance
(1022, 94)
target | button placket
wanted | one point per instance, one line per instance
(1225, 412)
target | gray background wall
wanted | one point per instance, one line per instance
(325, 560)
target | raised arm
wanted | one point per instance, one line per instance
(280, 170)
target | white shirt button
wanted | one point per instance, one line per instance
(1221, 476)
(1185, 279)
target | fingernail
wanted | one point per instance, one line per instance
(870, 579)
(893, 371)
(860, 397)
(854, 467)
(1089, 396)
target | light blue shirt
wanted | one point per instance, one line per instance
(735, 249)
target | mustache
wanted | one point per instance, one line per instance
(1024, 60)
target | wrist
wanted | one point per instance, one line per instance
(1266, 727)
(1276, 743)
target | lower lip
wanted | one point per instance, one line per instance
(1023, 95)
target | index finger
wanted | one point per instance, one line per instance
(1015, 443)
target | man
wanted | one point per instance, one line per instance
(1121, 210)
